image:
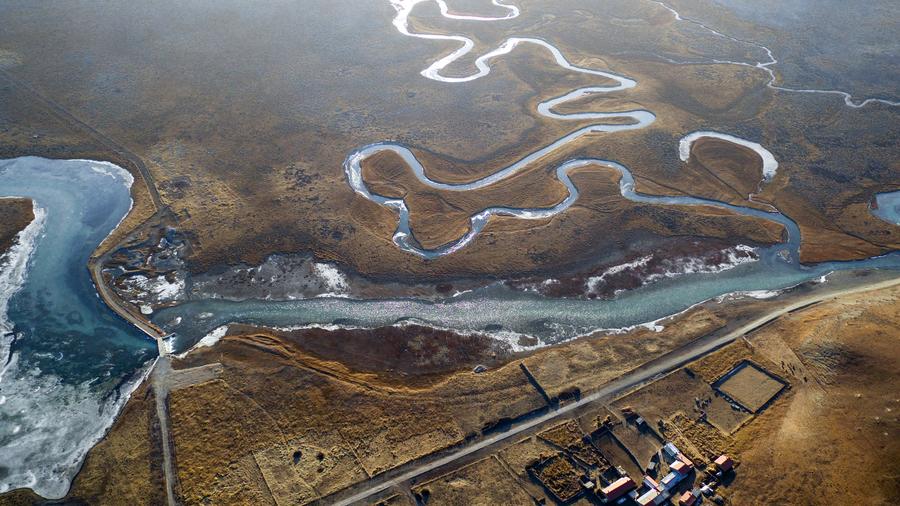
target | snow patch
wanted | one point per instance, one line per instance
(671, 268)
(208, 340)
(161, 289)
(333, 278)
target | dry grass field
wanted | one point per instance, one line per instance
(830, 438)
(244, 135)
(15, 215)
(483, 483)
(751, 387)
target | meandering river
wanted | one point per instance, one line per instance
(69, 363)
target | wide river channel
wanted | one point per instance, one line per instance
(69, 362)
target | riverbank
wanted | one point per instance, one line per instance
(317, 417)
(59, 395)
(43, 127)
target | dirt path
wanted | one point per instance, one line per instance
(160, 385)
(638, 377)
(163, 380)
(98, 136)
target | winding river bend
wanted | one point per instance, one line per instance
(496, 310)
(404, 238)
(69, 363)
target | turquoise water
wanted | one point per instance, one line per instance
(888, 207)
(69, 361)
(503, 312)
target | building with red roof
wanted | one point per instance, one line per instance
(682, 457)
(680, 467)
(724, 463)
(618, 488)
(687, 499)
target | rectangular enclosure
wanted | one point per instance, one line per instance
(750, 385)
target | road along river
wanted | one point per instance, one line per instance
(69, 363)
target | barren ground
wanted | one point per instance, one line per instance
(15, 215)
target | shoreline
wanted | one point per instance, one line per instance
(15, 264)
(642, 374)
(79, 398)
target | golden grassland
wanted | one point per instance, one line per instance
(251, 164)
(15, 215)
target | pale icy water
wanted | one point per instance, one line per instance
(888, 207)
(68, 361)
(498, 309)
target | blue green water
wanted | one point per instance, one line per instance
(69, 362)
(503, 312)
(888, 207)
(72, 361)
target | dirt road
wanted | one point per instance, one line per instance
(642, 375)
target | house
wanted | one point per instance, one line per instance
(618, 488)
(648, 497)
(670, 480)
(682, 457)
(680, 467)
(724, 463)
(651, 483)
(687, 499)
(653, 497)
(671, 450)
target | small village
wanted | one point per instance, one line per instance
(667, 442)
(628, 460)
(582, 471)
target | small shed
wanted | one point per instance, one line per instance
(651, 483)
(648, 498)
(671, 480)
(724, 463)
(671, 450)
(680, 467)
(687, 499)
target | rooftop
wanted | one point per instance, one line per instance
(687, 499)
(680, 467)
(618, 488)
(724, 462)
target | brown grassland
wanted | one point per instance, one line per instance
(15, 215)
(244, 135)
